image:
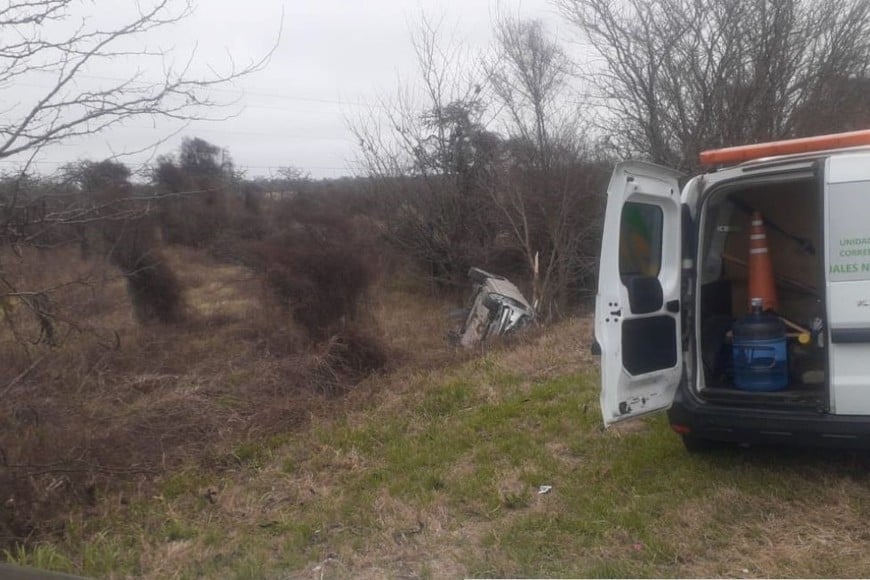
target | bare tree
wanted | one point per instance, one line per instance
(544, 189)
(678, 76)
(42, 37)
(48, 39)
(51, 56)
(429, 152)
(410, 132)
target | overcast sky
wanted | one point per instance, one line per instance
(334, 57)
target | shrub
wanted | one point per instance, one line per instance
(320, 267)
(322, 286)
(153, 288)
(344, 359)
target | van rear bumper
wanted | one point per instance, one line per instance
(768, 427)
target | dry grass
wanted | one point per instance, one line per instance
(430, 470)
(416, 329)
(554, 351)
(438, 477)
(807, 537)
(118, 404)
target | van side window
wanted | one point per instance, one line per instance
(640, 239)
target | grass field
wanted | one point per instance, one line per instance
(436, 473)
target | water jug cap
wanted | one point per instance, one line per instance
(757, 303)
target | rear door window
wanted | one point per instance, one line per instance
(640, 244)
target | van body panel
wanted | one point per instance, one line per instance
(847, 252)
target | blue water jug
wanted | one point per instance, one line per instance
(760, 352)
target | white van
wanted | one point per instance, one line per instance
(673, 281)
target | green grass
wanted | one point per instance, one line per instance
(445, 476)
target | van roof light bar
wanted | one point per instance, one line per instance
(773, 148)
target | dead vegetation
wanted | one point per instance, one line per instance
(106, 410)
(436, 473)
(231, 444)
(157, 327)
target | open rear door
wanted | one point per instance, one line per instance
(637, 310)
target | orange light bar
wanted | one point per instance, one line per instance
(803, 145)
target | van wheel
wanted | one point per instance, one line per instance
(696, 444)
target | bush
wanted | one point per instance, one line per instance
(205, 204)
(344, 359)
(322, 286)
(320, 267)
(153, 288)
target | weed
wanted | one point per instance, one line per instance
(180, 484)
(41, 556)
(175, 530)
(104, 556)
(213, 537)
(251, 453)
(516, 500)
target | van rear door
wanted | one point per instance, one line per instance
(637, 309)
(847, 243)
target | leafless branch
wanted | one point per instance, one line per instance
(65, 108)
(678, 76)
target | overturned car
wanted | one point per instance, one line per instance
(496, 307)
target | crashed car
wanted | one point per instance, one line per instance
(496, 307)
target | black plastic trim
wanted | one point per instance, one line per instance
(595, 349)
(822, 271)
(768, 426)
(850, 335)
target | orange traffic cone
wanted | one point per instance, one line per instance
(761, 283)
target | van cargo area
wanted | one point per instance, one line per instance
(792, 213)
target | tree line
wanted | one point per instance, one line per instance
(502, 158)
(497, 160)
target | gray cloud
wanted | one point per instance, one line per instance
(332, 53)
